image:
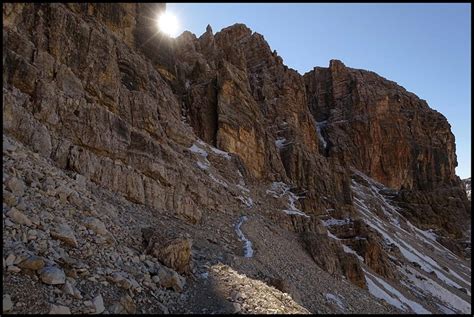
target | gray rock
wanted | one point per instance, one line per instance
(95, 225)
(98, 304)
(7, 303)
(58, 309)
(16, 186)
(171, 279)
(10, 259)
(19, 217)
(124, 306)
(64, 233)
(32, 263)
(52, 275)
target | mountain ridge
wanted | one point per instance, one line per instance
(188, 137)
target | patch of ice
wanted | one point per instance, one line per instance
(203, 166)
(378, 292)
(320, 125)
(215, 150)
(242, 188)
(427, 285)
(349, 250)
(335, 222)
(414, 306)
(280, 143)
(336, 299)
(196, 149)
(278, 189)
(330, 235)
(445, 309)
(246, 200)
(220, 182)
(248, 251)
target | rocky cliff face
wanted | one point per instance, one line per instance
(186, 135)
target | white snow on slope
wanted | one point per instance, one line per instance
(424, 284)
(202, 165)
(336, 299)
(280, 143)
(319, 125)
(349, 250)
(246, 200)
(214, 150)
(198, 150)
(393, 296)
(248, 251)
(335, 222)
(218, 181)
(417, 246)
(280, 189)
(379, 292)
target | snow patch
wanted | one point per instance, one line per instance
(215, 150)
(349, 250)
(335, 299)
(203, 166)
(218, 181)
(246, 200)
(320, 125)
(335, 222)
(427, 285)
(196, 149)
(248, 251)
(395, 298)
(280, 143)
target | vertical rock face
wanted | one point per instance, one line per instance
(381, 129)
(96, 89)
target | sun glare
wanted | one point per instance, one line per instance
(168, 24)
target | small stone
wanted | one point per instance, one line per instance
(58, 309)
(52, 275)
(64, 233)
(98, 304)
(32, 263)
(171, 279)
(16, 186)
(14, 269)
(10, 259)
(19, 217)
(124, 306)
(155, 279)
(237, 308)
(95, 225)
(9, 198)
(7, 303)
(68, 288)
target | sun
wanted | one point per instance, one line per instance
(168, 24)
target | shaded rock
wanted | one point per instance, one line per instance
(32, 263)
(171, 279)
(64, 233)
(98, 304)
(16, 186)
(52, 275)
(172, 252)
(7, 303)
(59, 309)
(95, 225)
(19, 217)
(124, 306)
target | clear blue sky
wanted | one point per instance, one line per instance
(426, 48)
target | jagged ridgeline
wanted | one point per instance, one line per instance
(145, 174)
